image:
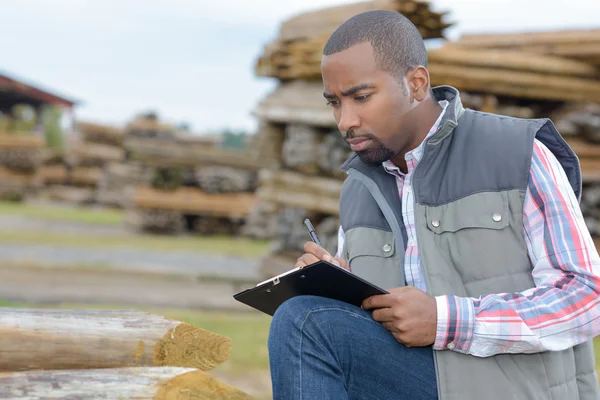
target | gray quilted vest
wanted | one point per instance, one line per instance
(469, 190)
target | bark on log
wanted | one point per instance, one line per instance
(156, 383)
(225, 180)
(25, 160)
(64, 339)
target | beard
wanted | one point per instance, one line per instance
(374, 155)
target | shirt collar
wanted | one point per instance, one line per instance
(418, 151)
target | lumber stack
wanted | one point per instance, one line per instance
(67, 354)
(190, 183)
(296, 53)
(75, 175)
(21, 155)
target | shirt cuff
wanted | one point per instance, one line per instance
(455, 323)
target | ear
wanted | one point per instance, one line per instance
(418, 83)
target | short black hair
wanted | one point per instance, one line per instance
(397, 44)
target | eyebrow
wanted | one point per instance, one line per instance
(350, 91)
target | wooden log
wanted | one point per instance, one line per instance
(225, 180)
(515, 84)
(291, 232)
(86, 176)
(267, 143)
(194, 201)
(294, 181)
(261, 222)
(325, 21)
(94, 154)
(495, 40)
(296, 102)
(332, 153)
(102, 134)
(20, 141)
(151, 383)
(287, 196)
(163, 153)
(54, 174)
(78, 339)
(18, 179)
(511, 60)
(26, 160)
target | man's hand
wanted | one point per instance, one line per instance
(408, 313)
(313, 253)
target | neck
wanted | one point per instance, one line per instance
(424, 119)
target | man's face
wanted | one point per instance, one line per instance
(370, 106)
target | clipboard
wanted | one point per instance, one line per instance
(321, 279)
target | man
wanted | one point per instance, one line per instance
(470, 220)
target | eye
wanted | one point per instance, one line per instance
(333, 103)
(363, 98)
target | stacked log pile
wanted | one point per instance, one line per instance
(191, 183)
(75, 176)
(20, 159)
(516, 75)
(68, 354)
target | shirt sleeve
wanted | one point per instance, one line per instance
(563, 309)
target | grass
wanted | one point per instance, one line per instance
(102, 217)
(249, 332)
(214, 244)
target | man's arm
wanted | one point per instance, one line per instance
(563, 309)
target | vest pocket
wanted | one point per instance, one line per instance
(372, 256)
(487, 210)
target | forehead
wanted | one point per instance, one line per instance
(349, 67)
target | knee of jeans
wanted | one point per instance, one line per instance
(291, 313)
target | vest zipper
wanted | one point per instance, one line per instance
(387, 211)
(449, 125)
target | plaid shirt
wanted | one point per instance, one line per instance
(561, 311)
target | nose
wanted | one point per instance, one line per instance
(348, 119)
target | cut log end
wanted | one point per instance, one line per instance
(198, 385)
(188, 346)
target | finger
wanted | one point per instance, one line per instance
(391, 327)
(318, 251)
(306, 259)
(342, 263)
(383, 315)
(378, 301)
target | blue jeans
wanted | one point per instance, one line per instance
(323, 349)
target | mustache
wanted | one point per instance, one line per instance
(352, 135)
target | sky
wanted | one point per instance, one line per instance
(193, 60)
